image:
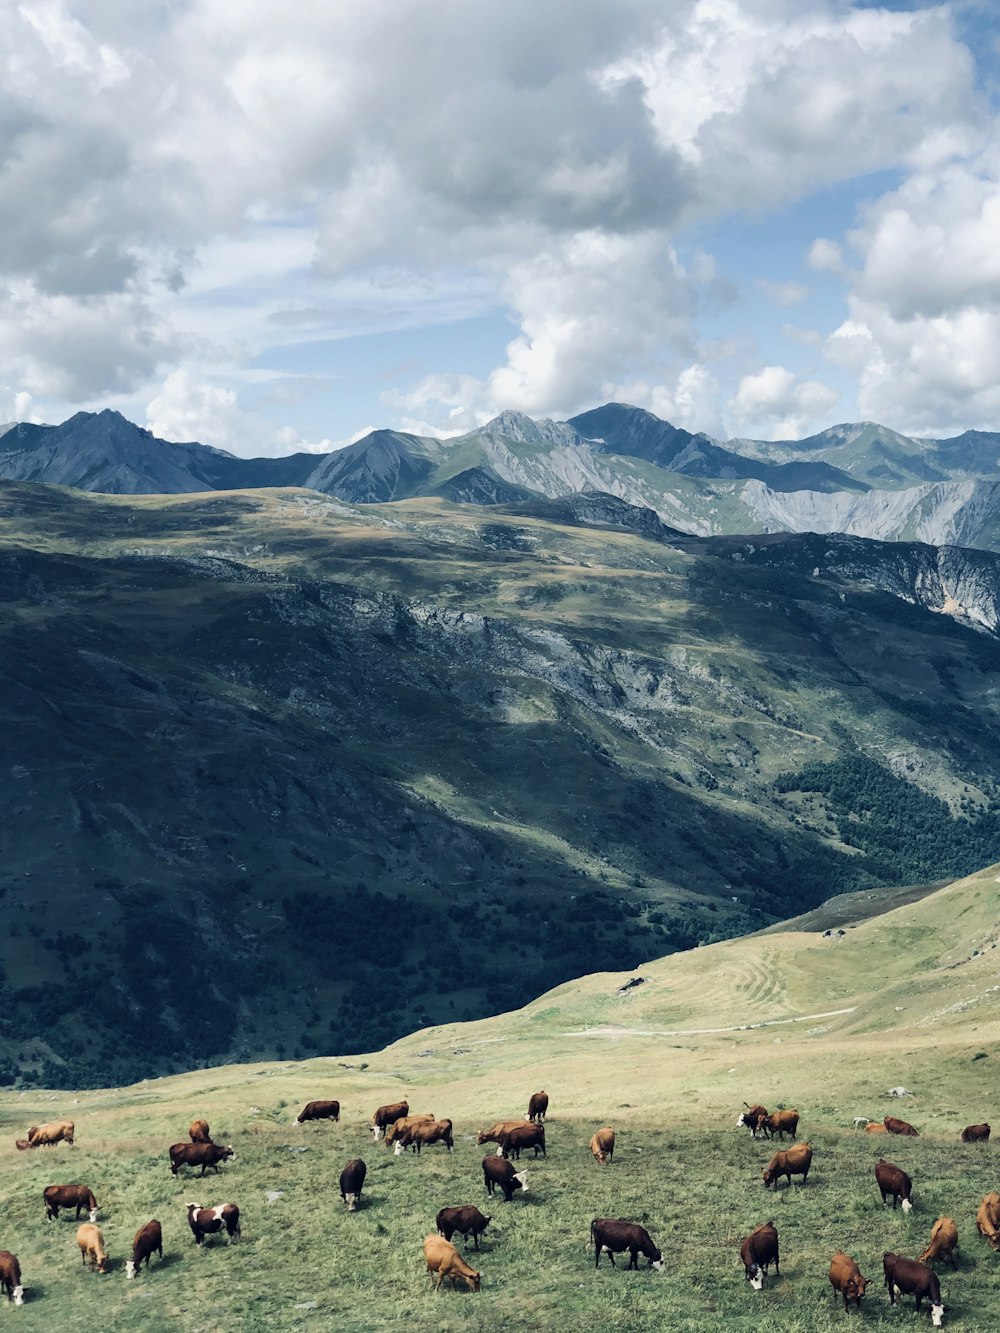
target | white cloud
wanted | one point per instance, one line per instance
(783, 293)
(774, 401)
(190, 408)
(826, 256)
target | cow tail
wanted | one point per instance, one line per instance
(593, 1238)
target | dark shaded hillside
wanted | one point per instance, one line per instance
(383, 771)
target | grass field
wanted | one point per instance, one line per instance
(916, 993)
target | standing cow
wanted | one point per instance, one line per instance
(845, 1278)
(10, 1277)
(388, 1115)
(351, 1180)
(615, 1235)
(204, 1155)
(69, 1196)
(90, 1239)
(498, 1171)
(207, 1221)
(908, 1277)
(758, 1252)
(198, 1132)
(602, 1145)
(466, 1221)
(538, 1105)
(147, 1242)
(328, 1110)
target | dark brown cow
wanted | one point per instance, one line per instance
(538, 1105)
(895, 1126)
(976, 1133)
(524, 1136)
(388, 1115)
(329, 1110)
(466, 1221)
(752, 1118)
(423, 1134)
(69, 1196)
(892, 1180)
(492, 1135)
(788, 1162)
(845, 1278)
(498, 1171)
(148, 1241)
(198, 1154)
(758, 1252)
(908, 1277)
(944, 1239)
(351, 1180)
(207, 1221)
(615, 1235)
(10, 1277)
(780, 1123)
(198, 1132)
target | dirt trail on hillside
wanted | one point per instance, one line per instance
(611, 1031)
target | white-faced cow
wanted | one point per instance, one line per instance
(423, 1134)
(351, 1180)
(758, 1252)
(10, 1277)
(498, 1171)
(388, 1115)
(752, 1118)
(207, 1221)
(895, 1183)
(148, 1241)
(538, 1105)
(204, 1155)
(908, 1277)
(69, 1196)
(524, 1136)
(615, 1235)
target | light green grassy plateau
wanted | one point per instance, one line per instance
(918, 989)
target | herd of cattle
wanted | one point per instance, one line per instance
(400, 1130)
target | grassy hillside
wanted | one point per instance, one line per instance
(916, 987)
(293, 754)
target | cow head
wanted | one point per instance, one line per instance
(18, 1294)
(351, 1201)
(855, 1288)
(755, 1276)
(130, 1269)
(376, 1132)
(656, 1260)
(522, 1179)
(226, 1153)
(482, 1137)
(473, 1280)
(93, 1214)
(937, 1315)
(768, 1177)
(907, 1205)
(399, 1148)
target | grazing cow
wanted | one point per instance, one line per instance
(988, 1219)
(788, 1162)
(329, 1110)
(207, 1221)
(69, 1196)
(90, 1239)
(538, 1105)
(752, 1118)
(393, 1131)
(198, 1154)
(909, 1277)
(466, 1221)
(758, 1252)
(351, 1180)
(493, 1134)
(498, 1171)
(944, 1239)
(148, 1241)
(47, 1136)
(845, 1277)
(524, 1136)
(602, 1145)
(388, 1115)
(875, 1127)
(198, 1131)
(443, 1259)
(895, 1126)
(780, 1123)
(976, 1133)
(894, 1181)
(422, 1135)
(616, 1234)
(10, 1277)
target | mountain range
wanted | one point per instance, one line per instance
(862, 479)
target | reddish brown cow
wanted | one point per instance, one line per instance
(909, 1277)
(442, 1258)
(207, 1221)
(602, 1145)
(423, 1134)
(538, 1105)
(493, 1134)
(393, 1131)
(944, 1239)
(198, 1132)
(752, 1118)
(388, 1115)
(789, 1162)
(780, 1123)
(976, 1133)
(498, 1171)
(892, 1180)
(845, 1278)
(524, 1136)
(199, 1154)
(10, 1277)
(615, 1235)
(894, 1126)
(148, 1241)
(329, 1110)
(988, 1219)
(758, 1252)
(69, 1196)
(466, 1221)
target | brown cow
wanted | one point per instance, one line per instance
(892, 1180)
(329, 1110)
(148, 1241)
(988, 1219)
(602, 1145)
(944, 1239)
(10, 1277)
(493, 1134)
(789, 1162)
(909, 1277)
(352, 1178)
(875, 1127)
(47, 1136)
(895, 1126)
(780, 1123)
(442, 1258)
(199, 1132)
(498, 1171)
(538, 1105)
(758, 1252)
(388, 1115)
(466, 1221)
(845, 1277)
(616, 1234)
(90, 1239)
(199, 1154)
(207, 1221)
(423, 1134)
(976, 1133)
(524, 1136)
(69, 1196)
(752, 1118)
(393, 1131)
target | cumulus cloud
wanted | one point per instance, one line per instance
(188, 407)
(774, 401)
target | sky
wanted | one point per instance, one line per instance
(275, 227)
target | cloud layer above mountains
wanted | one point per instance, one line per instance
(193, 193)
